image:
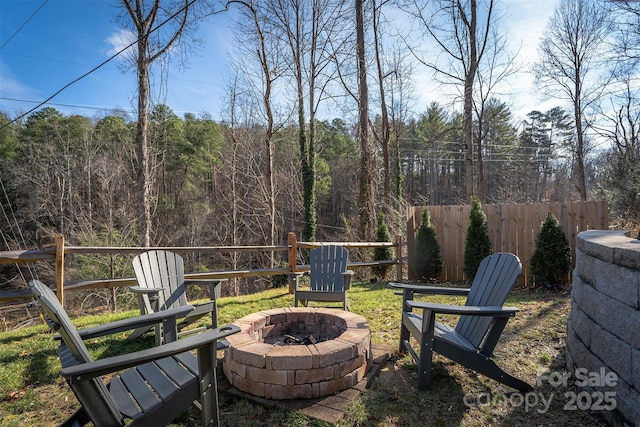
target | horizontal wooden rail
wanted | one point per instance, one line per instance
(15, 295)
(22, 257)
(183, 249)
(311, 245)
(57, 252)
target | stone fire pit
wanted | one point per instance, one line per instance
(298, 352)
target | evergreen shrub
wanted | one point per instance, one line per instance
(428, 258)
(477, 245)
(382, 254)
(551, 260)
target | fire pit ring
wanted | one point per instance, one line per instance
(260, 362)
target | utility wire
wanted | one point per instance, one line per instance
(97, 67)
(23, 24)
(88, 107)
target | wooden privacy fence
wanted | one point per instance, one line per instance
(511, 227)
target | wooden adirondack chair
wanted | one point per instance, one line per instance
(157, 384)
(329, 278)
(479, 327)
(161, 285)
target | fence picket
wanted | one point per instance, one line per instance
(511, 227)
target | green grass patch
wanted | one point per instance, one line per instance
(33, 393)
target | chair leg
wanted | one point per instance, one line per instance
(78, 419)
(208, 385)
(405, 335)
(157, 335)
(491, 370)
(137, 333)
(424, 366)
(426, 350)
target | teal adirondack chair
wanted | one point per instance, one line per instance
(148, 387)
(329, 277)
(481, 323)
(161, 285)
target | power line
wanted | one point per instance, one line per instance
(116, 108)
(88, 107)
(97, 67)
(23, 24)
(39, 58)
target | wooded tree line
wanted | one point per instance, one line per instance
(317, 139)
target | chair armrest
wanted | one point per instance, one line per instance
(101, 367)
(216, 281)
(145, 290)
(430, 290)
(135, 322)
(494, 311)
(346, 277)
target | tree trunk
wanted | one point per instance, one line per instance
(366, 188)
(144, 177)
(468, 102)
(581, 178)
(481, 184)
(385, 134)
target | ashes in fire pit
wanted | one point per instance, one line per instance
(289, 339)
(298, 352)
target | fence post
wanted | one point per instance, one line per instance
(398, 250)
(60, 267)
(292, 260)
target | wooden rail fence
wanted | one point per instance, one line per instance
(511, 227)
(57, 253)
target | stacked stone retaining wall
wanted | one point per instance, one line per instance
(603, 331)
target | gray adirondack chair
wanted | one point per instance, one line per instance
(157, 384)
(482, 320)
(161, 285)
(329, 278)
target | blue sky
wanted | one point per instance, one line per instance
(67, 38)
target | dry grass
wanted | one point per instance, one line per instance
(32, 393)
(532, 343)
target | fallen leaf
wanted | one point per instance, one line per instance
(15, 395)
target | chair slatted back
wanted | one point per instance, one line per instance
(92, 394)
(494, 280)
(161, 269)
(328, 263)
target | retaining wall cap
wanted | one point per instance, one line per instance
(603, 244)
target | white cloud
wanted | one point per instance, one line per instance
(119, 41)
(11, 87)
(18, 95)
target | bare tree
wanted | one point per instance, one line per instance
(620, 126)
(627, 40)
(384, 134)
(260, 46)
(310, 30)
(493, 71)
(570, 66)
(461, 32)
(366, 195)
(158, 26)
(400, 92)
